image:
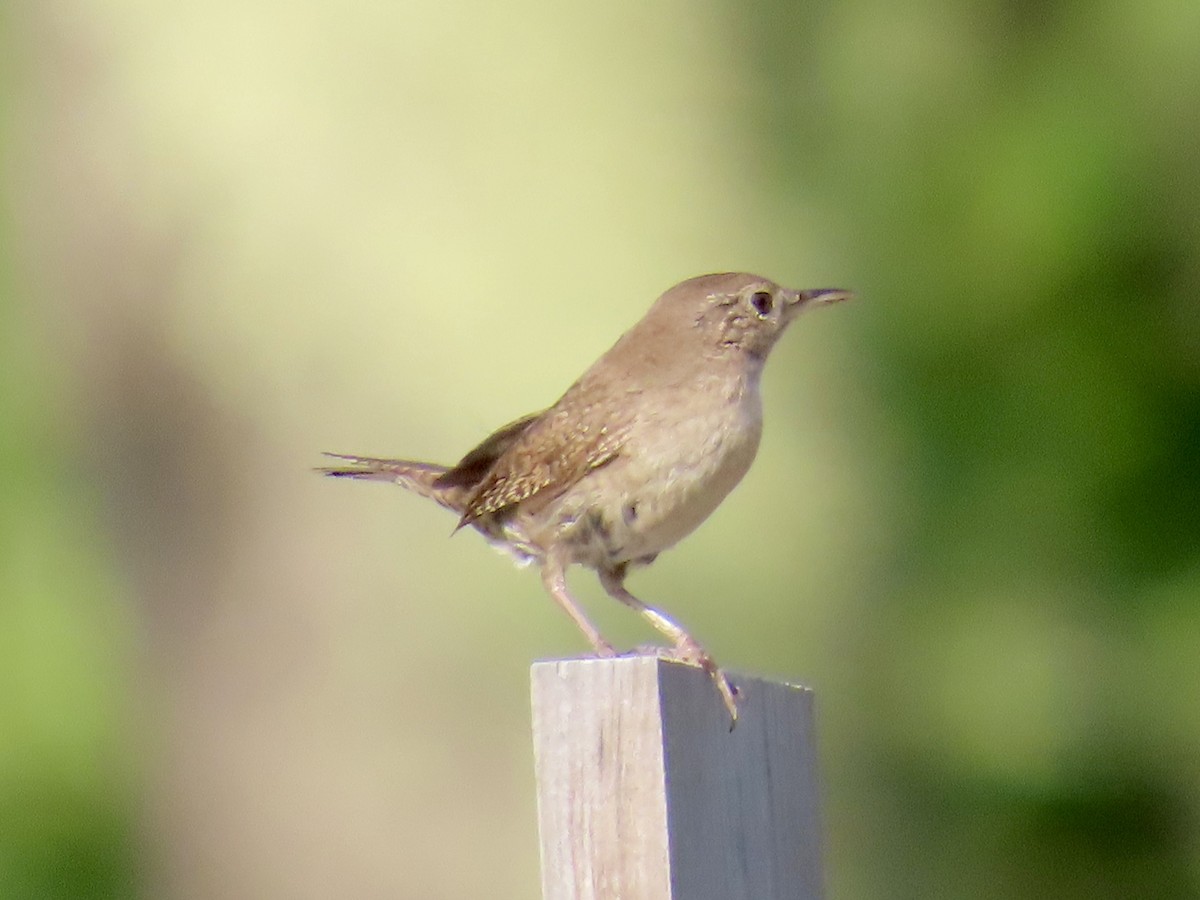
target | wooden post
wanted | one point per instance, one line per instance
(645, 794)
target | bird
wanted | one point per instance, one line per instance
(632, 458)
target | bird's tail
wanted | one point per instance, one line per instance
(418, 477)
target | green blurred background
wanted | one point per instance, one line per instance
(236, 234)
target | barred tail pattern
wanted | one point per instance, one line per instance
(418, 477)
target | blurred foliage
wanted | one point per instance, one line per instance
(993, 577)
(1025, 212)
(65, 826)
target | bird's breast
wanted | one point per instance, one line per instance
(680, 462)
(684, 480)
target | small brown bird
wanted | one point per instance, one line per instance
(633, 457)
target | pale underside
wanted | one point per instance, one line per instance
(638, 487)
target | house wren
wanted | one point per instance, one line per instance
(633, 457)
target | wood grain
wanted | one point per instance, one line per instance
(645, 794)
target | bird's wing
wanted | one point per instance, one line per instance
(572, 438)
(468, 471)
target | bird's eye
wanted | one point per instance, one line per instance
(762, 303)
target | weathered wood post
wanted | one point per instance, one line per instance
(645, 794)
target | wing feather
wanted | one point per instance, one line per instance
(469, 470)
(548, 457)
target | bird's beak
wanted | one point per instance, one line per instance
(822, 296)
(800, 300)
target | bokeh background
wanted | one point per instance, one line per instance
(237, 233)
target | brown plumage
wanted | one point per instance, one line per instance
(633, 457)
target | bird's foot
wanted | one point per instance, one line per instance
(651, 650)
(690, 652)
(603, 649)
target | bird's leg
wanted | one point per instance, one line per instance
(687, 648)
(554, 577)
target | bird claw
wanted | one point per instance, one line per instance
(651, 650)
(604, 650)
(690, 652)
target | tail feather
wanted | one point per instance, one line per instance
(418, 477)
